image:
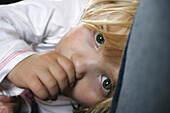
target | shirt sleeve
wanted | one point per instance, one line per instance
(33, 26)
(22, 25)
(12, 51)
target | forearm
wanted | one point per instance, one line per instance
(13, 50)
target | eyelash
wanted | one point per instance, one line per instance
(99, 39)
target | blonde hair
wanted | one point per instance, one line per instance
(113, 19)
(101, 107)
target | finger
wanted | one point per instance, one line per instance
(3, 109)
(69, 68)
(60, 76)
(50, 83)
(66, 64)
(5, 99)
(7, 107)
(38, 88)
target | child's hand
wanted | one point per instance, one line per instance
(9, 104)
(47, 74)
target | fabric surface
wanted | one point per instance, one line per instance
(32, 26)
(144, 76)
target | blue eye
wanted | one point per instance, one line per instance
(106, 84)
(99, 39)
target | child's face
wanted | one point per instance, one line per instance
(84, 47)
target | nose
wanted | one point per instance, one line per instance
(80, 64)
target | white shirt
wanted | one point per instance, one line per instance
(32, 26)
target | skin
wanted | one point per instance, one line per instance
(80, 46)
(8, 105)
(75, 68)
(47, 74)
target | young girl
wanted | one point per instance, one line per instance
(84, 64)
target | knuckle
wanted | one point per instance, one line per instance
(70, 66)
(63, 77)
(52, 84)
(30, 76)
(45, 55)
(38, 89)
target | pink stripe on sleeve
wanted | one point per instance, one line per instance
(10, 57)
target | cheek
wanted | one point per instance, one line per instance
(67, 47)
(85, 92)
